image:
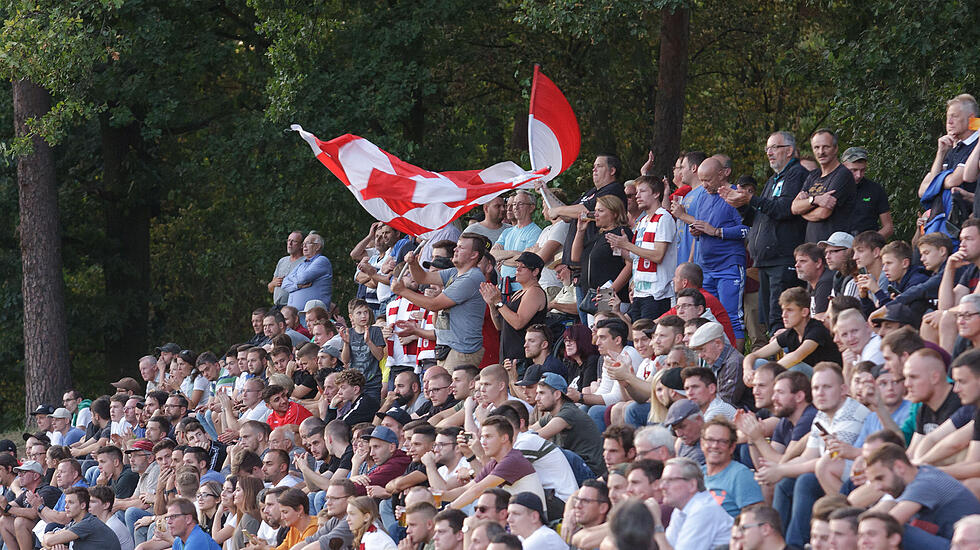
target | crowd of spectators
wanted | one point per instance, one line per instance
(686, 362)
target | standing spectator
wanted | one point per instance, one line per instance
(871, 210)
(953, 152)
(312, 279)
(459, 307)
(517, 238)
(653, 250)
(285, 266)
(364, 346)
(827, 199)
(719, 229)
(525, 307)
(690, 165)
(601, 263)
(491, 226)
(776, 231)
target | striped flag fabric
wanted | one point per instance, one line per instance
(553, 135)
(411, 199)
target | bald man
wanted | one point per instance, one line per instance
(718, 226)
(926, 383)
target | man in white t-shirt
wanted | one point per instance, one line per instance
(860, 343)
(527, 519)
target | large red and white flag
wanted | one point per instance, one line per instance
(553, 136)
(406, 197)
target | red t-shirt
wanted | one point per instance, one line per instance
(294, 415)
(716, 309)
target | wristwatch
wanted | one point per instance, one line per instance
(811, 201)
(498, 305)
(658, 529)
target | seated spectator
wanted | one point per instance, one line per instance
(843, 524)
(84, 531)
(566, 425)
(700, 386)
(275, 469)
(617, 446)
(724, 361)
(445, 466)
(730, 482)
(934, 250)
(101, 505)
(407, 393)
(926, 383)
(881, 531)
(115, 474)
(420, 525)
(182, 522)
(860, 343)
(527, 519)
(447, 531)
(362, 516)
(897, 267)
(758, 528)
(840, 260)
(586, 515)
(352, 404)
(389, 461)
(806, 340)
(62, 432)
(698, 521)
(811, 268)
(685, 420)
(492, 506)
(283, 411)
(927, 502)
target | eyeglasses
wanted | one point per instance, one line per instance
(583, 501)
(771, 148)
(745, 527)
(173, 517)
(966, 316)
(711, 441)
(431, 389)
(484, 509)
(670, 479)
(212, 495)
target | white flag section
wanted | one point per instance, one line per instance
(406, 197)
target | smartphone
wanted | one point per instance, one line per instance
(821, 428)
(468, 436)
(864, 271)
(590, 215)
(893, 290)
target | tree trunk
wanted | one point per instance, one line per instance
(126, 262)
(46, 372)
(668, 116)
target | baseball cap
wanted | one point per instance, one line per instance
(384, 434)
(130, 384)
(61, 412)
(679, 411)
(532, 376)
(530, 260)
(140, 445)
(439, 262)
(332, 351)
(706, 333)
(399, 414)
(530, 501)
(839, 239)
(310, 304)
(554, 381)
(43, 409)
(897, 312)
(672, 379)
(854, 154)
(169, 347)
(40, 436)
(7, 446)
(31, 466)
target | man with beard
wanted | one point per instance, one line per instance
(589, 509)
(271, 531)
(927, 501)
(565, 424)
(445, 466)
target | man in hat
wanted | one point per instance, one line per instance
(62, 432)
(527, 519)
(19, 516)
(394, 419)
(565, 424)
(684, 418)
(896, 315)
(837, 253)
(67, 474)
(143, 462)
(871, 211)
(390, 461)
(127, 386)
(42, 417)
(712, 346)
(167, 353)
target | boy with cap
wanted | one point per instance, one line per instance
(565, 424)
(526, 518)
(871, 211)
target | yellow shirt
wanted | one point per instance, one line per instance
(295, 536)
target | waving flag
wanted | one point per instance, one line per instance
(553, 136)
(406, 197)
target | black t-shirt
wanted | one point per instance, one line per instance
(343, 462)
(303, 378)
(976, 425)
(601, 265)
(841, 181)
(961, 345)
(869, 204)
(816, 331)
(588, 200)
(820, 294)
(968, 276)
(928, 419)
(48, 493)
(427, 410)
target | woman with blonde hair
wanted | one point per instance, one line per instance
(601, 263)
(364, 521)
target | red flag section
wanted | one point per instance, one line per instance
(406, 197)
(553, 136)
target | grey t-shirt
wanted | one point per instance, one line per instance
(286, 264)
(361, 357)
(461, 327)
(480, 229)
(93, 534)
(582, 437)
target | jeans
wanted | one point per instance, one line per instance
(387, 512)
(583, 316)
(317, 500)
(131, 516)
(598, 414)
(799, 367)
(772, 282)
(636, 414)
(648, 307)
(727, 285)
(794, 499)
(580, 469)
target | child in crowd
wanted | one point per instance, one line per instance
(364, 346)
